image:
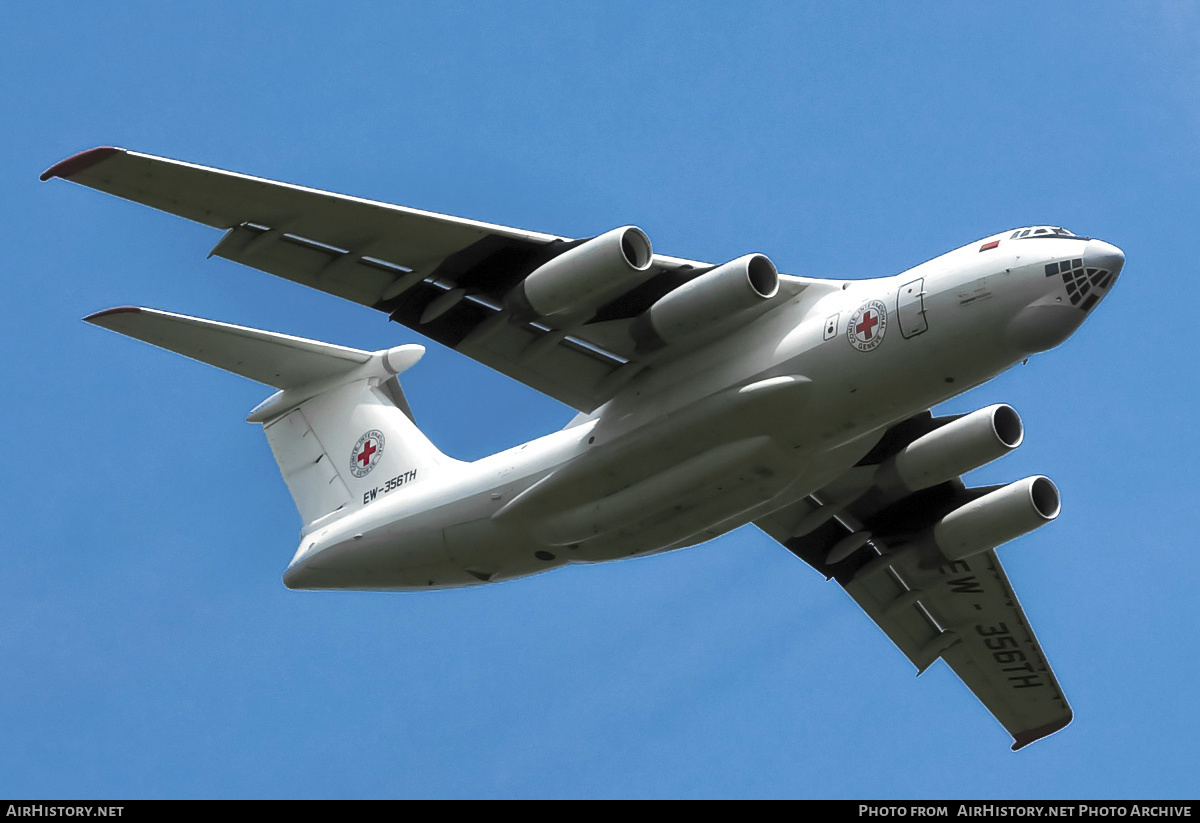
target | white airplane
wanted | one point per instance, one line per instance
(709, 397)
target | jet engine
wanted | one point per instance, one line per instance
(580, 280)
(956, 448)
(997, 517)
(708, 300)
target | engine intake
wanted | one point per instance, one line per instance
(582, 279)
(707, 301)
(956, 448)
(997, 517)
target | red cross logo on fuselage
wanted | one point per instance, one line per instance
(867, 325)
(364, 456)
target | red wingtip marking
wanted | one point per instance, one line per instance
(78, 162)
(92, 318)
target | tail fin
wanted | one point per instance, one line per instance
(339, 428)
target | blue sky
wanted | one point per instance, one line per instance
(149, 647)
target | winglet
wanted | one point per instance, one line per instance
(1023, 739)
(79, 162)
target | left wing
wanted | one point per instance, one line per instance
(442, 276)
(963, 611)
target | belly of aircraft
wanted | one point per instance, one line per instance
(719, 490)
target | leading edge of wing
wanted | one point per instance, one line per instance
(76, 168)
(79, 164)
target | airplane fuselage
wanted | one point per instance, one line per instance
(717, 438)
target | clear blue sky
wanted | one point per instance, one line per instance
(148, 645)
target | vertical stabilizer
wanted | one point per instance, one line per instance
(339, 428)
(348, 447)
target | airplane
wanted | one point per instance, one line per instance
(708, 397)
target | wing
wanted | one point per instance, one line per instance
(964, 612)
(444, 277)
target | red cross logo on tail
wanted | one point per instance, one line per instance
(366, 453)
(867, 325)
(364, 457)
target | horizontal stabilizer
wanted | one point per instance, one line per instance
(278, 360)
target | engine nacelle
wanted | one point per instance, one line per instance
(997, 517)
(579, 281)
(956, 448)
(708, 300)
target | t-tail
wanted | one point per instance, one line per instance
(339, 427)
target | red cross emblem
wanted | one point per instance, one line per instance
(366, 453)
(364, 457)
(867, 325)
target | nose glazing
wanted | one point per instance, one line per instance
(1089, 277)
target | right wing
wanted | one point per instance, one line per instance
(964, 612)
(444, 277)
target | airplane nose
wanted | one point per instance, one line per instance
(1073, 287)
(1105, 256)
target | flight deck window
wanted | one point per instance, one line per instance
(1045, 231)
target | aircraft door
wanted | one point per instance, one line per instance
(910, 308)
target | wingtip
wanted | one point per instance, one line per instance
(1023, 739)
(96, 317)
(79, 162)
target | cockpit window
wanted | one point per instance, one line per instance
(1044, 231)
